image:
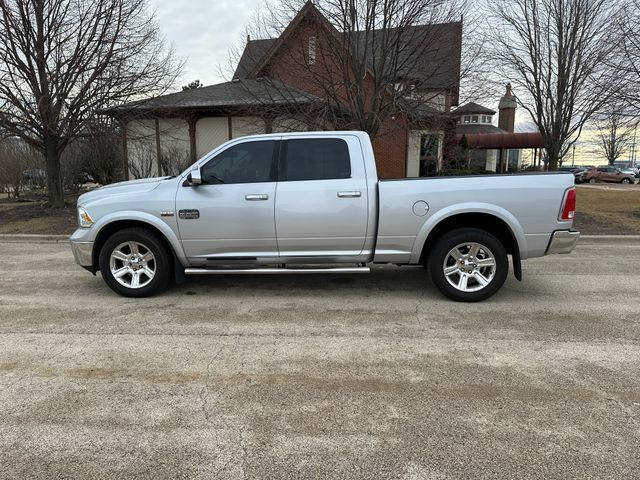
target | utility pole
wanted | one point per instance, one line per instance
(634, 153)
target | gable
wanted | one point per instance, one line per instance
(438, 70)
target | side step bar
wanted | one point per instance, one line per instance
(270, 271)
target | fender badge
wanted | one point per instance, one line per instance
(166, 214)
(189, 214)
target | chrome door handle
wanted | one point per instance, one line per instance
(256, 196)
(349, 194)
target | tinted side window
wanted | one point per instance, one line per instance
(249, 162)
(316, 159)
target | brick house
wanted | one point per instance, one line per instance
(292, 83)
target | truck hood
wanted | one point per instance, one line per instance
(121, 188)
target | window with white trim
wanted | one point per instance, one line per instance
(312, 50)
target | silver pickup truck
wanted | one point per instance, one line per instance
(312, 203)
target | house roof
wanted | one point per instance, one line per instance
(476, 128)
(440, 46)
(471, 108)
(254, 51)
(308, 9)
(237, 93)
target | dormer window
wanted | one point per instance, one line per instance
(476, 118)
(312, 50)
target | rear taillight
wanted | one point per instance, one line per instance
(568, 210)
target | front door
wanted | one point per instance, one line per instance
(231, 215)
(321, 198)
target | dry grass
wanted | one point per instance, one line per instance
(33, 215)
(603, 210)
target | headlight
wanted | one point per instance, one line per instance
(84, 219)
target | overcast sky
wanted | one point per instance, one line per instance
(202, 32)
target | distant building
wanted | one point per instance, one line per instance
(489, 147)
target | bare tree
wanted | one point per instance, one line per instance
(615, 132)
(97, 154)
(61, 60)
(557, 55)
(20, 166)
(627, 61)
(367, 64)
(144, 164)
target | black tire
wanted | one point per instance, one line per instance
(592, 180)
(626, 181)
(448, 242)
(162, 262)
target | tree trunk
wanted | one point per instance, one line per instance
(54, 179)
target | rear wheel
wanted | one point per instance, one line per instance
(592, 180)
(468, 265)
(135, 263)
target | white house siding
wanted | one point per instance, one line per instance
(210, 133)
(141, 147)
(243, 126)
(141, 143)
(174, 136)
(284, 124)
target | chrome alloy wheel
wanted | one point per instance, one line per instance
(132, 264)
(469, 267)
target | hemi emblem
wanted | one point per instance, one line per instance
(189, 214)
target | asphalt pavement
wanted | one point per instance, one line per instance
(361, 376)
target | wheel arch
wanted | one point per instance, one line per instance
(118, 224)
(503, 229)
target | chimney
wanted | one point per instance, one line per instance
(507, 108)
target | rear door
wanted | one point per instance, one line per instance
(602, 174)
(321, 197)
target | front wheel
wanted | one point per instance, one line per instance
(592, 180)
(135, 263)
(626, 181)
(468, 265)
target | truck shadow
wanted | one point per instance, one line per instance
(380, 279)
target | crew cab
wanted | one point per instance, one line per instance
(312, 203)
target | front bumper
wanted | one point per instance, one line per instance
(563, 241)
(83, 253)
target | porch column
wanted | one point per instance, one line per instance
(193, 155)
(158, 151)
(268, 125)
(125, 150)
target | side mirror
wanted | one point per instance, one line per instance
(195, 177)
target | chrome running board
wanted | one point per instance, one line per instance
(270, 271)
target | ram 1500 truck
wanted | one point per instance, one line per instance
(312, 202)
